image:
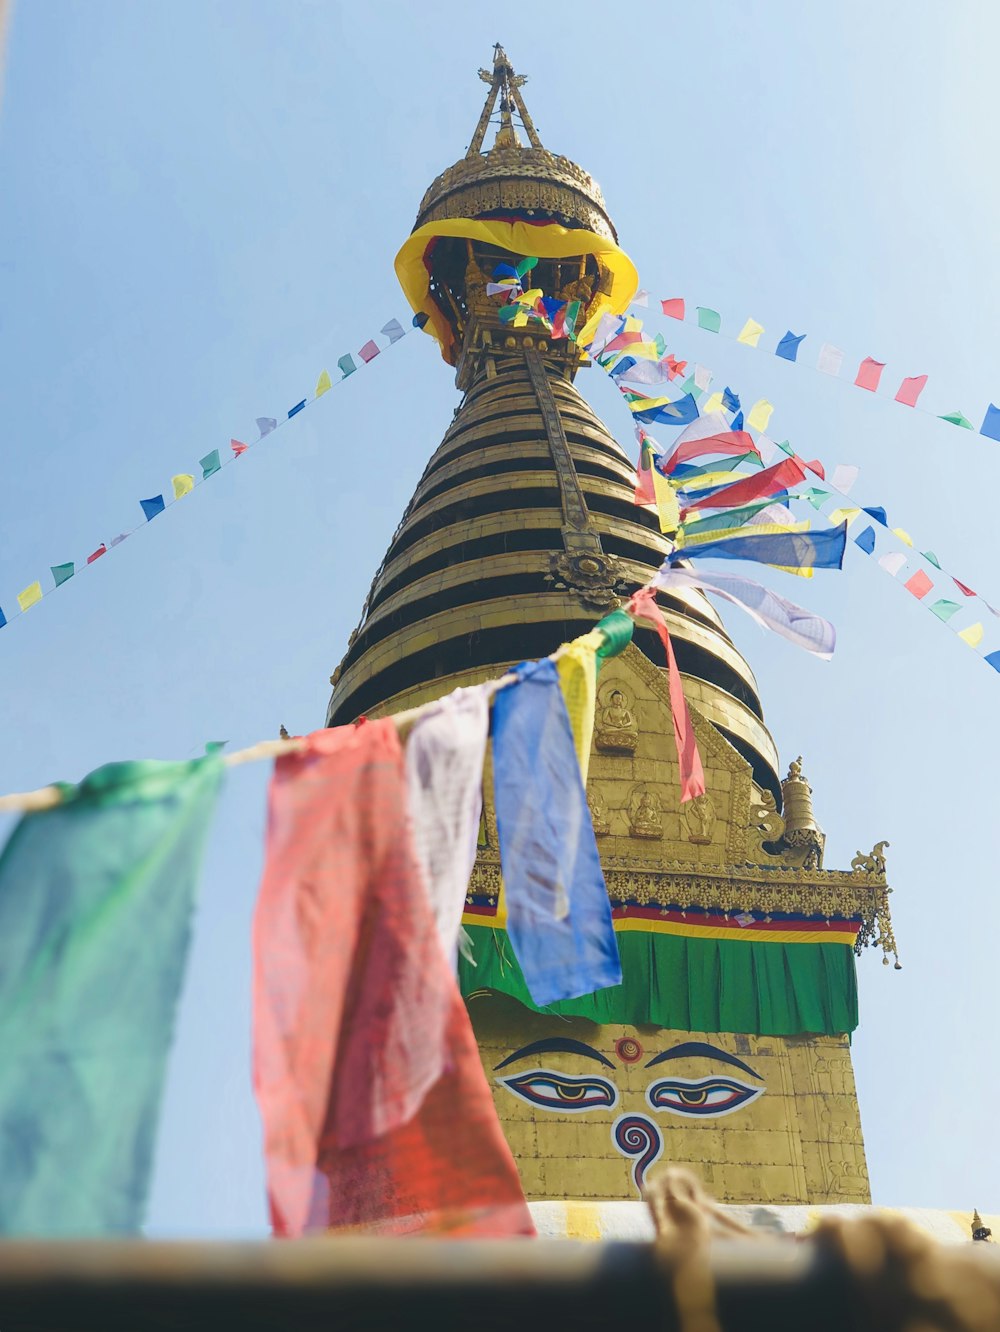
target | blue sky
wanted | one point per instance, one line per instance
(201, 204)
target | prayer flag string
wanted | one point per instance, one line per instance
(183, 483)
(829, 361)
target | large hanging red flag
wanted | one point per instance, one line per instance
(730, 443)
(377, 1114)
(770, 481)
(643, 606)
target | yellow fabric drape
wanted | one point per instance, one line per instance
(547, 241)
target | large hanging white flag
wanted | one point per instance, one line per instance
(445, 752)
(770, 610)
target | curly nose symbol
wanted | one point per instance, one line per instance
(639, 1138)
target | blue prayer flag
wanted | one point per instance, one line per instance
(558, 911)
(730, 400)
(419, 319)
(292, 411)
(737, 423)
(991, 422)
(866, 540)
(994, 660)
(788, 347)
(878, 514)
(681, 412)
(784, 550)
(3, 619)
(151, 507)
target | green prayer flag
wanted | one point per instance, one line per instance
(710, 319)
(785, 447)
(96, 897)
(944, 610)
(210, 464)
(525, 266)
(346, 364)
(689, 386)
(929, 555)
(61, 572)
(814, 496)
(956, 418)
(617, 631)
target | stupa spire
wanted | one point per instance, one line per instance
(505, 88)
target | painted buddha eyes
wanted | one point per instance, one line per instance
(560, 1091)
(701, 1096)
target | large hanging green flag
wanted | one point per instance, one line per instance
(95, 918)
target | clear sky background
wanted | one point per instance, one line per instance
(199, 208)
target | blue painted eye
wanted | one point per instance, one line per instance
(560, 1091)
(703, 1096)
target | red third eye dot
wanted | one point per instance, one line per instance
(628, 1049)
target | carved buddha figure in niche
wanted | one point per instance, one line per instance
(616, 731)
(598, 811)
(647, 819)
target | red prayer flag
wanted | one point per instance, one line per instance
(376, 1111)
(622, 340)
(101, 550)
(674, 307)
(731, 443)
(768, 482)
(816, 467)
(869, 373)
(368, 352)
(675, 368)
(919, 584)
(237, 447)
(910, 390)
(645, 492)
(967, 591)
(643, 606)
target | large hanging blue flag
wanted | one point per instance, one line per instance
(558, 912)
(784, 550)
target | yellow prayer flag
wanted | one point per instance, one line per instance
(973, 635)
(646, 350)
(847, 516)
(751, 333)
(520, 319)
(322, 384)
(182, 483)
(760, 414)
(905, 537)
(666, 502)
(577, 667)
(632, 324)
(714, 404)
(29, 596)
(752, 529)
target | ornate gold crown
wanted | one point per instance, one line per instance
(511, 177)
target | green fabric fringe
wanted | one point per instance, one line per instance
(686, 984)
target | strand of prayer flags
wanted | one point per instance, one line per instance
(829, 361)
(840, 481)
(183, 483)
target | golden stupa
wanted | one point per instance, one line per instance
(727, 1047)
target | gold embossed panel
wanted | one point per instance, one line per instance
(590, 1111)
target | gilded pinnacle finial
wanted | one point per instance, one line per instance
(505, 88)
(979, 1231)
